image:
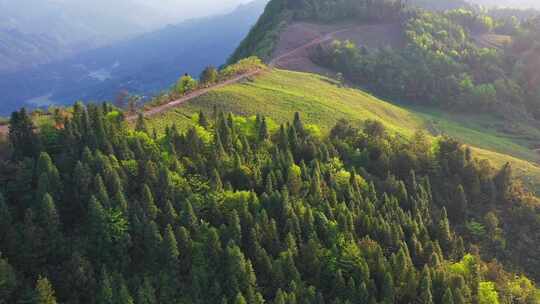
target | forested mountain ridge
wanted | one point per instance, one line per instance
(452, 59)
(240, 210)
(262, 38)
(215, 207)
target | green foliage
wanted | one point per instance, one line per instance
(487, 293)
(44, 292)
(262, 38)
(359, 10)
(209, 76)
(278, 93)
(22, 136)
(239, 211)
(241, 67)
(185, 85)
(476, 229)
(440, 65)
(8, 281)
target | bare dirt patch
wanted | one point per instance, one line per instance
(371, 36)
(4, 129)
(492, 41)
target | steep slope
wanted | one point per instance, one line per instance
(279, 14)
(236, 210)
(282, 15)
(370, 36)
(277, 93)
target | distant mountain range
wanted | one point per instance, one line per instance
(34, 32)
(41, 31)
(143, 65)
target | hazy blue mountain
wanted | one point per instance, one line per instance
(143, 65)
(41, 31)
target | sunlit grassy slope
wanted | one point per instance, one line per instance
(278, 94)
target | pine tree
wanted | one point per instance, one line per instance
(22, 136)
(150, 208)
(100, 240)
(6, 221)
(363, 293)
(188, 217)
(120, 202)
(280, 297)
(170, 250)
(47, 214)
(185, 247)
(448, 298)
(140, 125)
(216, 182)
(444, 233)
(123, 295)
(460, 205)
(209, 75)
(298, 125)
(49, 221)
(146, 293)
(425, 288)
(503, 180)
(294, 180)
(388, 289)
(48, 177)
(240, 299)
(44, 292)
(203, 122)
(105, 291)
(8, 280)
(263, 130)
(234, 230)
(458, 297)
(101, 191)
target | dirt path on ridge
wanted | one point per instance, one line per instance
(272, 64)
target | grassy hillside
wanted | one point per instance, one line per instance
(279, 93)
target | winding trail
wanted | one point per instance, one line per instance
(272, 64)
(160, 109)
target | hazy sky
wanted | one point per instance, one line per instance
(192, 8)
(115, 18)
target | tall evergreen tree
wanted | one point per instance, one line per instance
(44, 292)
(22, 135)
(425, 287)
(105, 293)
(140, 125)
(8, 280)
(447, 297)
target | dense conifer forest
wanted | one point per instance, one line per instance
(95, 208)
(240, 210)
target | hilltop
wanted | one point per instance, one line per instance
(455, 60)
(323, 101)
